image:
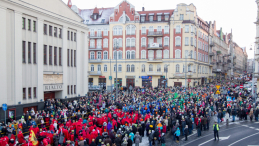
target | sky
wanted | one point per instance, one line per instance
(238, 15)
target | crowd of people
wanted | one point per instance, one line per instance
(102, 119)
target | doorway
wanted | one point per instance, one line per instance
(178, 84)
(130, 82)
(49, 95)
(102, 83)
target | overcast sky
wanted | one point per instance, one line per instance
(239, 15)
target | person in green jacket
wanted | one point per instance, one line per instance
(216, 130)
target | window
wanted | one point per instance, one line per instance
(191, 54)
(158, 68)
(166, 41)
(191, 41)
(99, 67)
(151, 54)
(166, 17)
(29, 52)
(177, 68)
(105, 68)
(99, 55)
(143, 42)
(150, 18)
(143, 30)
(105, 32)
(151, 29)
(159, 28)
(74, 89)
(166, 68)
(194, 55)
(183, 68)
(29, 24)
(150, 67)
(143, 54)
(105, 43)
(92, 55)
(50, 30)
(159, 54)
(159, 18)
(177, 41)
(194, 68)
(45, 29)
(68, 57)
(23, 23)
(71, 36)
(74, 58)
(186, 28)
(99, 33)
(128, 68)
(127, 54)
(189, 68)
(34, 92)
(119, 68)
(166, 54)
(50, 55)
(24, 93)
(34, 53)
(92, 67)
(68, 90)
(181, 16)
(132, 55)
(45, 55)
(92, 43)
(117, 30)
(71, 89)
(71, 57)
(55, 56)
(68, 35)
(29, 92)
(34, 26)
(105, 55)
(159, 41)
(99, 43)
(191, 28)
(132, 44)
(143, 68)
(114, 67)
(60, 33)
(178, 29)
(177, 53)
(55, 31)
(60, 57)
(186, 41)
(166, 30)
(150, 41)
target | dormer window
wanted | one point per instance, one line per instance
(103, 20)
(150, 18)
(159, 18)
(95, 17)
(166, 17)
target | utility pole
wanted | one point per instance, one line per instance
(116, 47)
(111, 73)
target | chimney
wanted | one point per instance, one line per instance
(143, 8)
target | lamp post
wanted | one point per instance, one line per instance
(116, 87)
(253, 69)
(185, 68)
(166, 74)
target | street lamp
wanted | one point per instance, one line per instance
(116, 87)
(185, 68)
(166, 74)
(253, 69)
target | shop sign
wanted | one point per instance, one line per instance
(52, 87)
(146, 77)
(101, 76)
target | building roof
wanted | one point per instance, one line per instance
(158, 12)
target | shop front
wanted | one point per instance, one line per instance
(146, 81)
(162, 82)
(130, 81)
(102, 82)
(119, 82)
(177, 84)
(90, 82)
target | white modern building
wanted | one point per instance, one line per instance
(44, 54)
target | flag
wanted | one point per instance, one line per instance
(33, 139)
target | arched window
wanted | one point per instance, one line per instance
(177, 41)
(132, 54)
(130, 29)
(92, 55)
(189, 68)
(99, 67)
(150, 67)
(105, 55)
(151, 29)
(92, 67)
(143, 68)
(158, 68)
(166, 54)
(117, 30)
(128, 68)
(120, 54)
(105, 68)
(127, 54)
(177, 68)
(177, 53)
(132, 68)
(99, 55)
(119, 68)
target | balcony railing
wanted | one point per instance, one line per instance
(152, 59)
(211, 54)
(154, 46)
(95, 36)
(154, 73)
(157, 33)
(95, 73)
(95, 60)
(95, 48)
(212, 44)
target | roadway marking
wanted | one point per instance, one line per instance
(245, 125)
(251, 127)
(205, 142)
(221, 138)
(252, 145)
(243, 139)
(194, 132)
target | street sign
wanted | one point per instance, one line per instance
(110, 77)
(217, 92)
(4, 106)
(217, 86)
(241, 86)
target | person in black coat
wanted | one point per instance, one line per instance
(117, 141)
(130, 142)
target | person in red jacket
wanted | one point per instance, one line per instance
(21, 138)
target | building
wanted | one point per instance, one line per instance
(153, 48)
(256, 50)
(250, 66)
(44, 54)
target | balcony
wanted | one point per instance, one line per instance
(154, 60)
(95, 60)
(154, 73)
(95, 73)
(97, 48)
(212, 63)
(211, 54)
(95, 36)
(155, 34)
(216, 70)
(179, 75)
(154, 46)
(212, 44)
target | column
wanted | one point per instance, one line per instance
(64, 61)
(40, 92)
(3, 54)
(18, 93)
(85, 64)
